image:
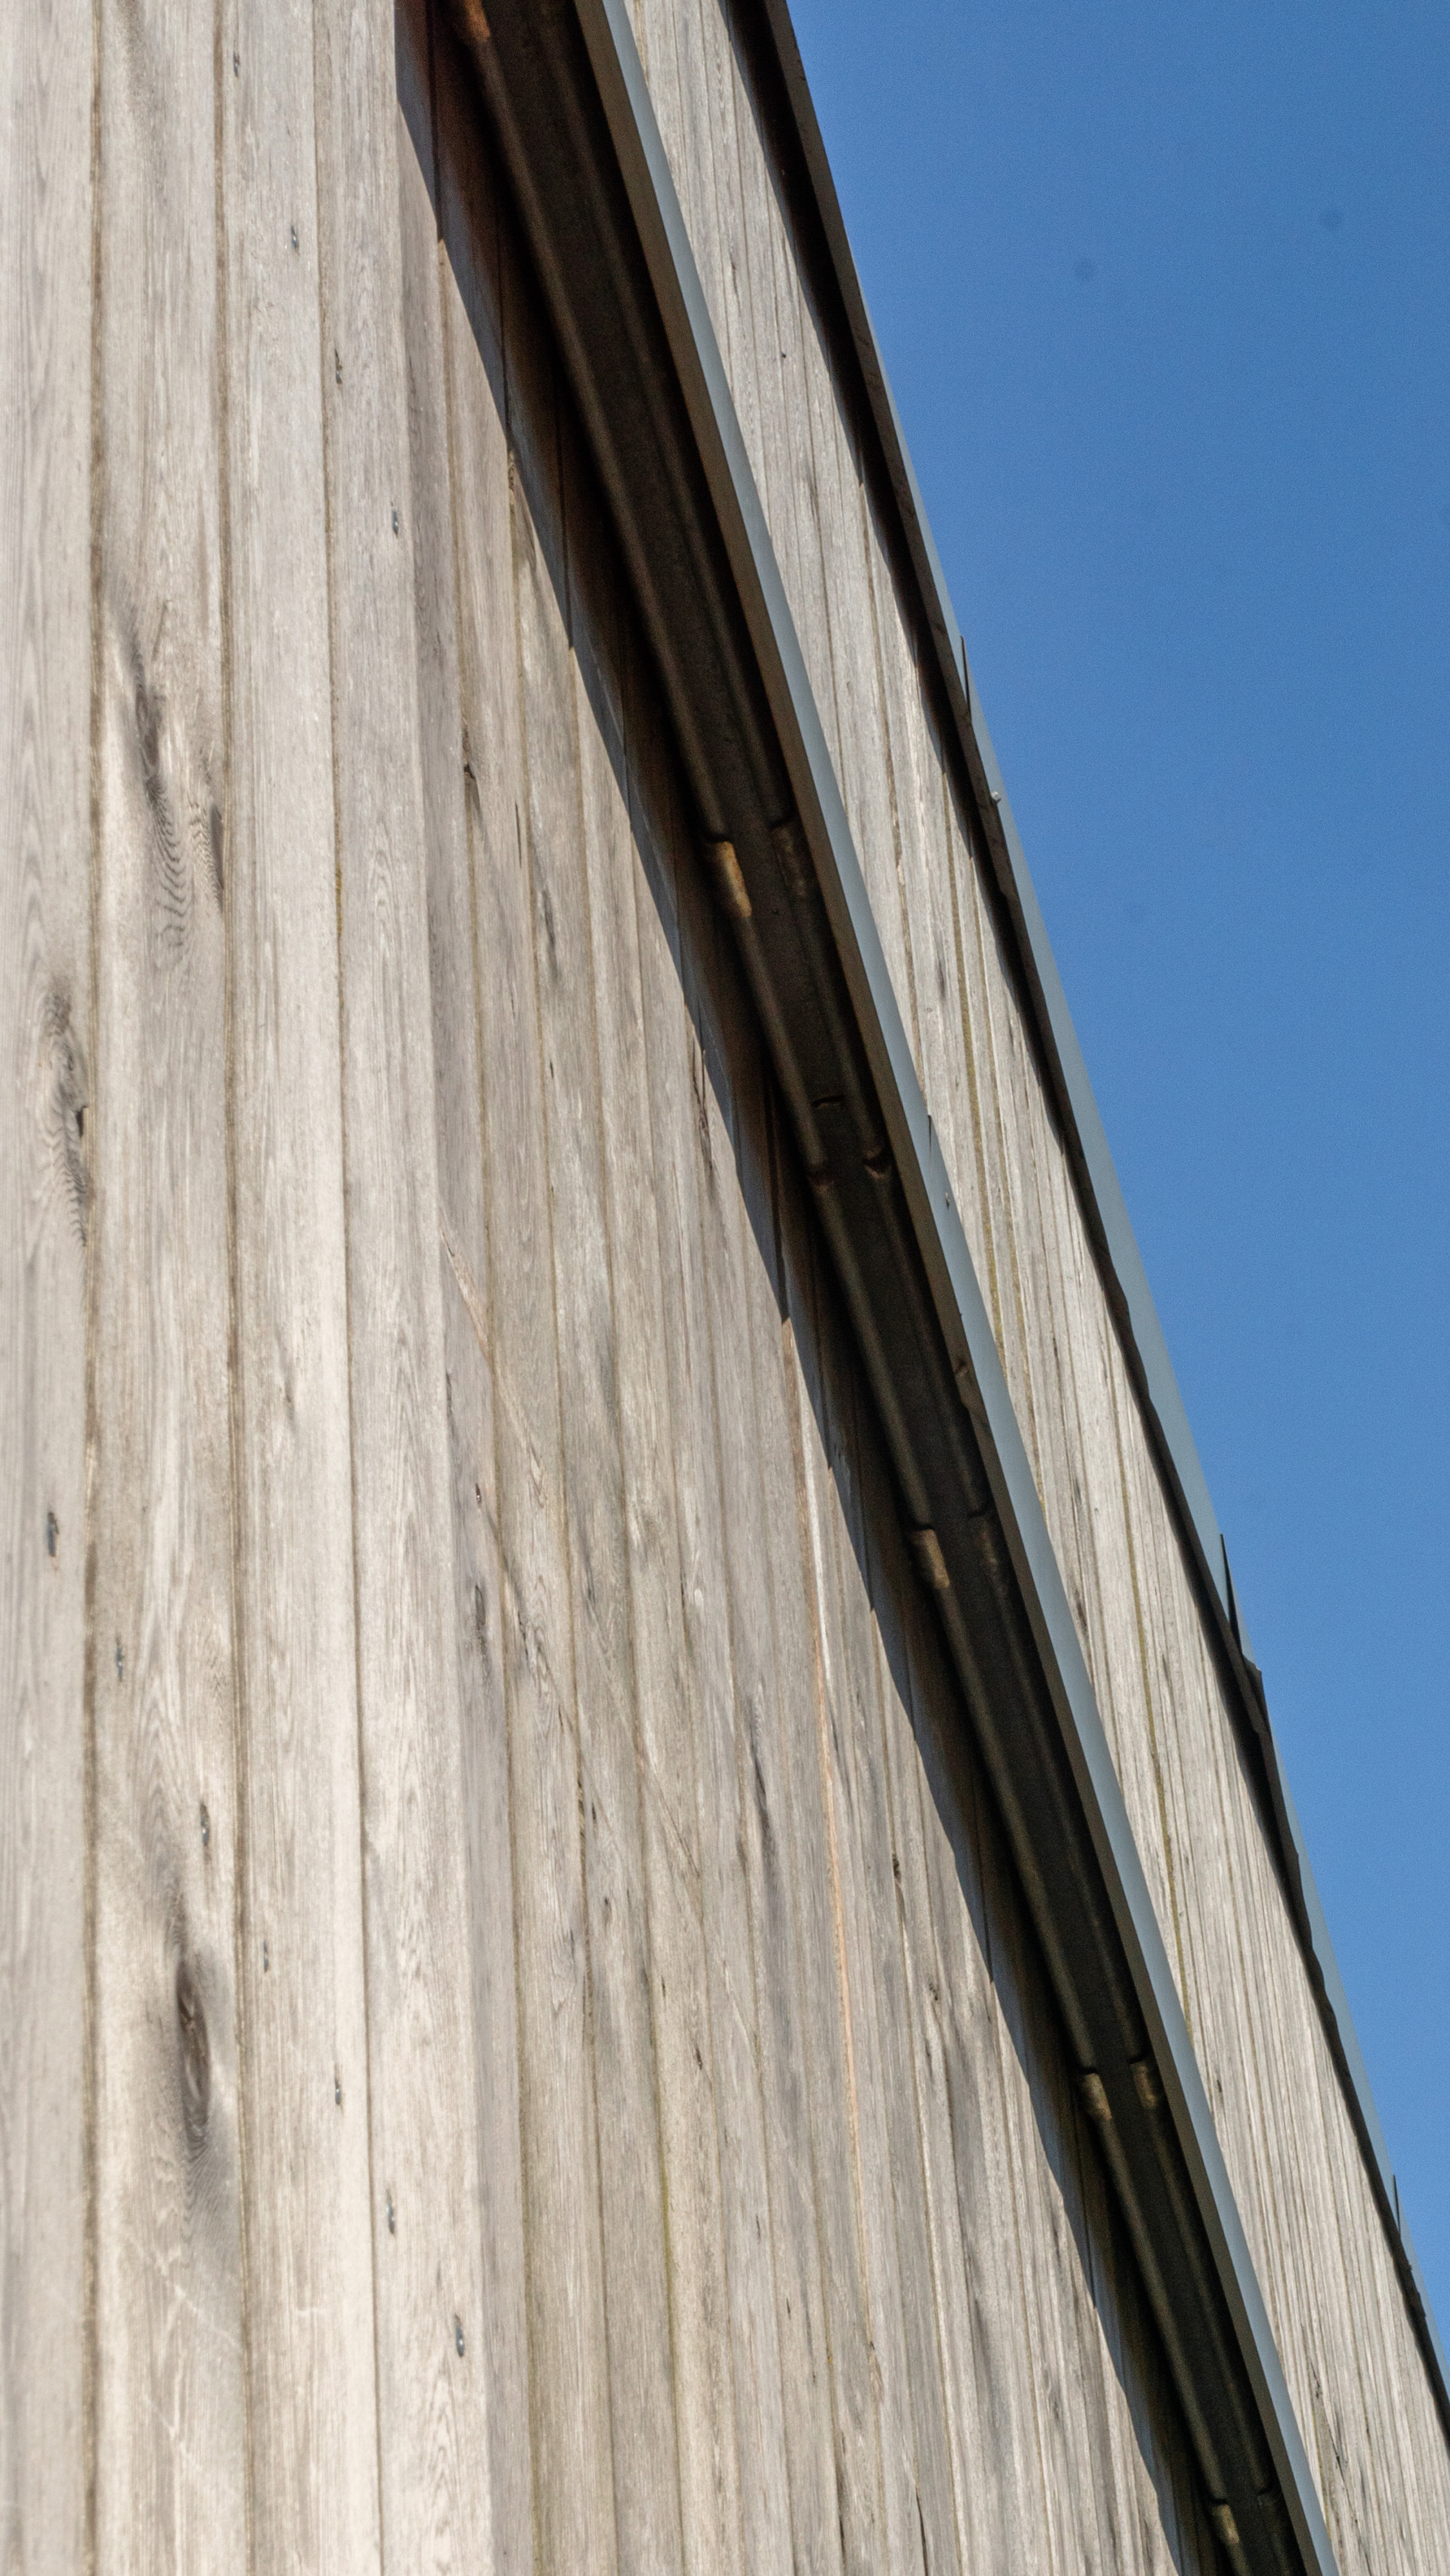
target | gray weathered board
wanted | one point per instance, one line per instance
(520, 2045)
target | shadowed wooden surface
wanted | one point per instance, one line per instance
(1317, 2239)
(521, 2043)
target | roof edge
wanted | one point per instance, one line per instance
(1104, 1204)
(667, 439)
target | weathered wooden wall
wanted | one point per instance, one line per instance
(1318, 2243)
(45, 1206)
(519, 2041)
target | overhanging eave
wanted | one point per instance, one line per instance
(567, 97)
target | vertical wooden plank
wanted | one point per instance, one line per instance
(739, 227)
(980, 2390)
(669, 1821)
(1013, 2498)
(972, 1184)
(573, 2490)
(792, 482)
(1092, 1563)
(819, 2501)
(661, 58)
(882, 1872)
(912, 2019)
(900, 2315)
(672, 1057)
(1129, 1686)
(1049, 1351)
(865, 766)
(45, 1106)
(565, 785)
(1153, 2472)
(907, 1919)
(310, 2354)
(1017, 1075)
(976, 958)
(1052, 2349)
(422, 2085)
(430, 96)
(169, 2419)
(1000, 1141)
(1164, 1684)
(1099, 2326)
(927, 877)
(889, 900)
(838, 570)
(731, 256)
(874, 2443)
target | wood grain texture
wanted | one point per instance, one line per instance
(573, 2476)
(45, 1103)
(1010, 2494)
(429, 129)
(983, 2518)
(419, 2087)
(767, 1823)
(169, 2414)
(571, 2080)
(1036, 2294)
(903, 2334)
(313, 2467)
(839, 2405)
(566, 701)
(606, 658)
(1316, 2235)
(816, 1853)
(672, 1059)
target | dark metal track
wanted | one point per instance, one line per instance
(565, 94)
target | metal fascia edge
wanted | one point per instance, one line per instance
(1138, 1314)
(962, 1312)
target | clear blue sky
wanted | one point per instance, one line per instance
(1165, 298)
